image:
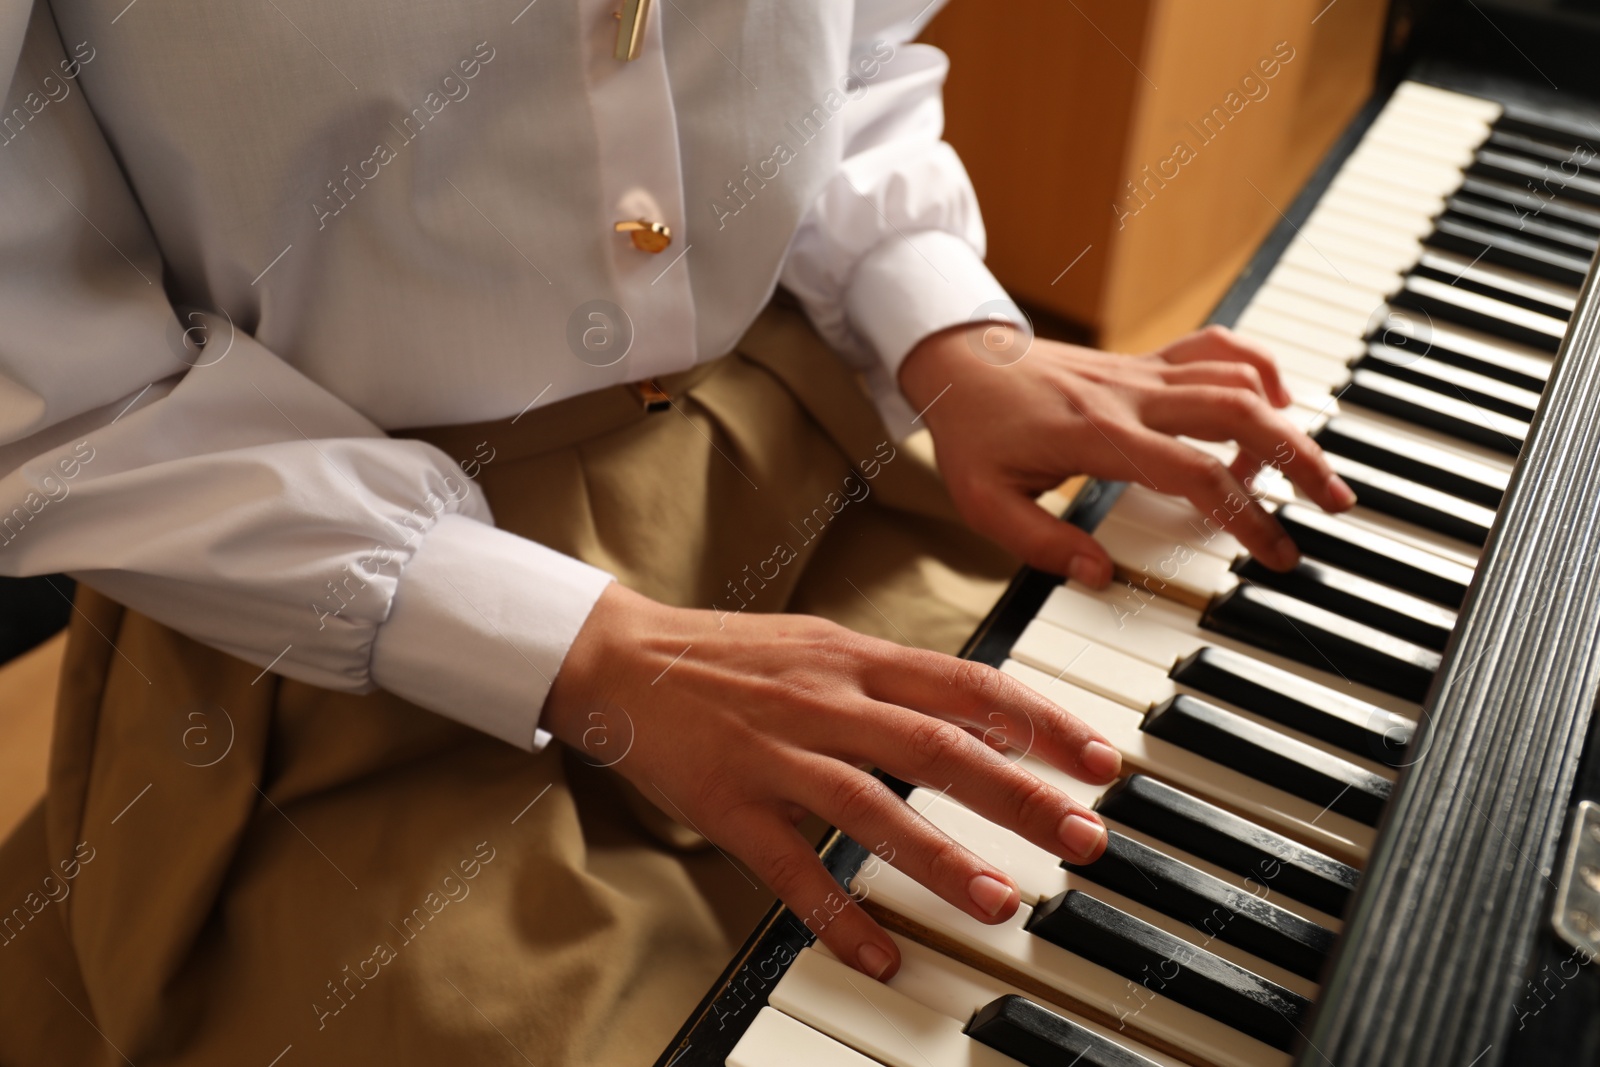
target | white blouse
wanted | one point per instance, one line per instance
(240, 242)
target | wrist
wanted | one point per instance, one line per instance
(589, 672)
(939, 359)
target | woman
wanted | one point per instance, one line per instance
(396, 381)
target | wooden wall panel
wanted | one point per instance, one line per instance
(1084, 124)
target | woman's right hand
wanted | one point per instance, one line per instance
(742, 724)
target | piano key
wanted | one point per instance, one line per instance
(874, 1019)
(1189, 975)
(1507, 227)
(1365, 184)
(1152, 561)
(1231, 841)
(1418, 96)
(1328, 832)
(1507, 166)
(1480, 390)
(1458, 233)
(773, 1039)
(1375, 556)
(1414, 502)
(952, 988)
(1283, 696)
(1518, 364)
(1313, 309)
(1040, 875)
(1278, 623)
(1412, 457)
(1159, 634)
(1331, 344)
(1530, 206)
(1479, 312)
(1327, 286)
(1038, 1037)
(1174, 519)
(1413, 139)
(1268, 756)
(1541, 294)
(1057, 975)
(1410, 617)
(1447, 414)
(1335, 263)
(1223, 911)
(1086, 665)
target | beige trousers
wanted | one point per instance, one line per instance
(228, 868)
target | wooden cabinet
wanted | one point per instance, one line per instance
(1156, 139)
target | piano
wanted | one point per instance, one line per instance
(1355, 823)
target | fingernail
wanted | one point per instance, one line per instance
(1100, 760)
(1340, 492)
(1286, 552)
(1081, 836)
(1086, 570)
(989, 894)
(873, 960)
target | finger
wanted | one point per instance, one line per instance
(1245, 466)
(1170, 466)
(1221, 343)
(1216, 372)
(1005, 712)
(1016, 523)
(791, 869)
(867, 810)
(1217, 414)
(940, 755)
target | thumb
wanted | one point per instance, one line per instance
(1016, 523)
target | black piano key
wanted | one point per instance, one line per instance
(1520, 365)
(1375, 556)
(1468, 238)
(1440, 300)
(1548, 180)
(1413, 502)
(1038, 1037)
(1268, 756)
(1212, 906)
(1577, 133)
(1383, 607)
(1172, 967)
(1449, 415)
(1561, 153)
(1532, 208)
(1506, 221)
(1453, 381)
(1232, 842)
(1283, 696)
(1450, 472)
(1503, 283)
(1277, 623)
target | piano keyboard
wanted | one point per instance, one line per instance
(1262, 717)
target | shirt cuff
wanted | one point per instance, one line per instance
(480, 624)
(910, 287)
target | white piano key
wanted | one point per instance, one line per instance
(1065, 782)
(1457, 155)
(1503, 278)
(1419, 98)
(1159, 633)
(1176, 520)
(774, 1039)
(1327, 831)
(1401, 229)
(1091, 666)
(1314, 309)
(953, 988)
(1422, 136)
(1334, 243)
(1173, 568)
(1040, 876)
(1070, 979)
(1410, 431)
(874, 1019)
(1329, 288)
(1302, 362)
(1333, 344)
(1344, 267)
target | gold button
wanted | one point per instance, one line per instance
(647, 236)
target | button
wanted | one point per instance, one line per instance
(647, 236)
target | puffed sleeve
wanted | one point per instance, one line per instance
(892, 249)
(180, 467)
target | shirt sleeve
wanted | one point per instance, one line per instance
(892, 249)
(170, 461)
